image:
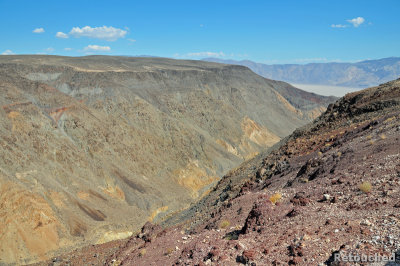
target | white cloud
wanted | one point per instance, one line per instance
(338, 26)
(7, 52)
(48, 50)
(61, 35)
(68, 49)
(38, 30)
(311, 60)
(96, 48)
(131, 40)
(356, 21)
(202, 55)
(207, 54)
(104, 33)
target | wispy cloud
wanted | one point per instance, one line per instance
(309, 60)
(96, 48)
(356, 21)
(103, 33)
(38, 30)
(61, 35)
(201, 55)
(339, 26)
(306, 60)
(7, 52)
(68, 49)
(48, 50)
(207, 54)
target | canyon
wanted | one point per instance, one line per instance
(94, 147)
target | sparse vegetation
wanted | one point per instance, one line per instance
(232, 236)
(382, 136)
(229, 237)
(303, 180)
(168, 251)
(365, 187)
(390, 119)
(275, 198)
(224, 224)
(115, 262)
(142, 252)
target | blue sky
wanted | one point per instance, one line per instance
(284, 31)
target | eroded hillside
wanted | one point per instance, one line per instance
(331, 187)
(94, 147)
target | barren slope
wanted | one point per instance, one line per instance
(93, 147)
(326, 206)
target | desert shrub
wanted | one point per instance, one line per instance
(303, 180)
(275, 198)
(365, 187)
(115, 262)
(224, 224)
(232, 235)
(142, 252)
(382, 136)
(390, 119)
(169, 251)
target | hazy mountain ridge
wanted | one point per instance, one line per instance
(358, 75)
(95, 146)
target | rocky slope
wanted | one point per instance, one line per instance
(331, 186)
(356, 75)
(94, 147)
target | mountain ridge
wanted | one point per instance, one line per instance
(361, 74)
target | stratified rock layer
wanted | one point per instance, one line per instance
(331, 187)
(93, 147)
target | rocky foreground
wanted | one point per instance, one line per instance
(332, 186)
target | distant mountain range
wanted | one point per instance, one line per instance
(356, 75)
